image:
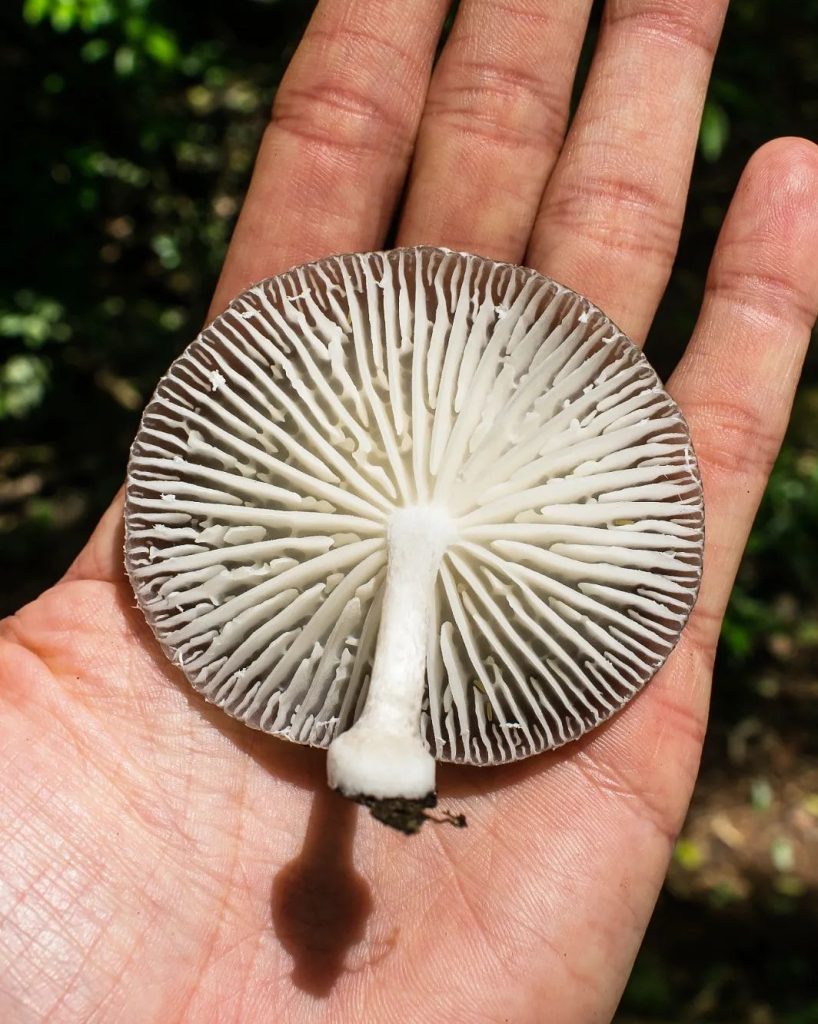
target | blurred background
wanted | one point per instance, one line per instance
(130, 130)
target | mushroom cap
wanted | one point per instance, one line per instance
(273, 453)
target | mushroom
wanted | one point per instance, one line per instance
(414, 506)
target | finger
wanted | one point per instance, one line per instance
(334, 157)
(612, 211)
(735, 385)
(331, 163)
(625, 788)
(737, 380)
(493, 125)
(102, 557)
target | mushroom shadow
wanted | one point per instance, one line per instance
(320, 903)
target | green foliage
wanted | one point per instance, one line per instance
(125, 30)
(776, 593)
(136, 125)
(65, 14)
(22, 384)
(714, 131)
(650, 989)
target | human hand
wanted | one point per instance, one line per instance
(162, 862)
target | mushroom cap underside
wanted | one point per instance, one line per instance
(275, 451)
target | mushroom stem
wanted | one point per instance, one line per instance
(382, 756)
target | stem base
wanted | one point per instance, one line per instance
(380, 765)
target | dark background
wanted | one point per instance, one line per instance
(130, 130)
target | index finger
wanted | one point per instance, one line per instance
(334, 156)
(330, 167)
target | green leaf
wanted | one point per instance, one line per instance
(34, 11)
(94, 50)
(761, 795)
(782, 854)
(124, 61)
(714, 131)
(95, 13)
(64, 14)
(53, 83)
(23, 379)
(161, 46)
(167, 250)
(689, 854)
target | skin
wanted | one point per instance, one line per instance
(161, 863)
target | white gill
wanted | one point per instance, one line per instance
(286, 442)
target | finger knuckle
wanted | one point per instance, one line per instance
(506, 105)
(734, 438)
(678, 23)
(348, 100)
(769, 297)
(622, 214)
(338, 116)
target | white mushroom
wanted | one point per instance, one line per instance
(414, 506)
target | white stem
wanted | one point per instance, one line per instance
(383, 755)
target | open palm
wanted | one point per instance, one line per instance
(164, 863)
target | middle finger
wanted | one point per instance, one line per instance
(493, 125)
(612, 211)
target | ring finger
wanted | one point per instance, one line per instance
(612, 211)
(493, 125)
